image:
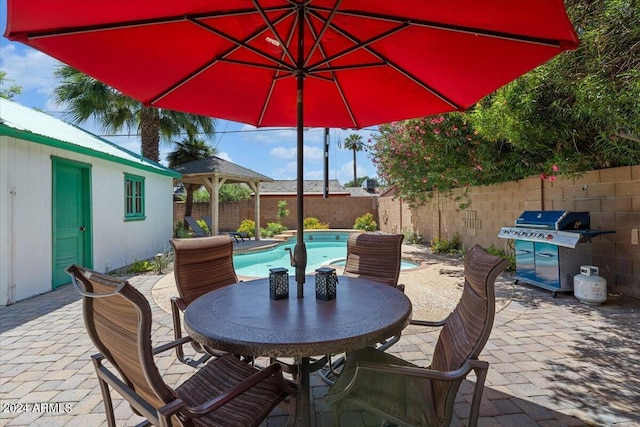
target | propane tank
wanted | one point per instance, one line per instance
(588, 287)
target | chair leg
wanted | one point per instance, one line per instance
(331, 369)
(481, 376)
(177, 329)
(337, 406)
(106, 396)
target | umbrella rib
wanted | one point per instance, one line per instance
(33, 35)
(325, 27)
(267, 99)
(455, 28)
(283, 46)
(400, 70)
(220, 58)
(334, 78)
(241, 43)
(357, 44)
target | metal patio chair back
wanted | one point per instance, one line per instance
(224, 392)
(374, 256)
(408, 395)
(199, 266)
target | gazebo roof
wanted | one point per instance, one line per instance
(196, 170)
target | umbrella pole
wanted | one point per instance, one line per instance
(300, 253)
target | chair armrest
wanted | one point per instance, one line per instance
(433, 324)
(224, 398)
(416, 371)
(411, 371)
(172, 344)
(179, 303)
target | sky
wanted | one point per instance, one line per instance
(269, 151)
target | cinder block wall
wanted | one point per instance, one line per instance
(612, 196)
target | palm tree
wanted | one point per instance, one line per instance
(353, 142)
(87, 97)
(188, 150)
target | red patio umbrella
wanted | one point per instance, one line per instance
(355, 62)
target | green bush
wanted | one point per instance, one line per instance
(272, 229)
(247, 226)
(312, 223)
(412, 237)
(501, 253)
(447, 247)
(365, 222)
(141, 266)
(203, 224)
(180, 230)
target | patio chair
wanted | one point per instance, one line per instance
(224, 392)
(199, 266)
(195, 227)
(376, 257)
(408, 395)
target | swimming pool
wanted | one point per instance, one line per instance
(322, 249)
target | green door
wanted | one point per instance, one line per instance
(71, 217)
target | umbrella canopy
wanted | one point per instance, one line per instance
(355, 63)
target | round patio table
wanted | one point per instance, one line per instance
(242, 319)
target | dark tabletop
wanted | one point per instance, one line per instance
(242, 319)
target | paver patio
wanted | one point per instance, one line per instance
(554, 362)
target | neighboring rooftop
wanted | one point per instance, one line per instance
(289, 187)
(216, 166)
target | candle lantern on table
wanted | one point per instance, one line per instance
(278, 283)
(326, 283)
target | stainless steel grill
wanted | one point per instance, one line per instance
(550, 247)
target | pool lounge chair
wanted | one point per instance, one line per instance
(193, 224)
(234, 234)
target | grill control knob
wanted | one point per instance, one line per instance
(549, 236)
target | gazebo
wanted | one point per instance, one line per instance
(212, 172)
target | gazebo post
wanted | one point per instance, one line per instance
(214, 172)
(256, 191)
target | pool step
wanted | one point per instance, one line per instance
(285, 235)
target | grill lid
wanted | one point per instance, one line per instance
(554, 220)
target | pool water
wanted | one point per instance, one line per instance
(257, 264)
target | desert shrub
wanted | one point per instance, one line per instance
(203, 224)
(141, 266)
(501, 253)
(312, 223)
(283, 212)
(180, 230)
(412, 237)
(247, 226)
(272, 229)
(444, 246)
(365, 222)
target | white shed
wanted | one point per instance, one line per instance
(68, 196)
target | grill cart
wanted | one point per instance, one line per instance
(551, 246)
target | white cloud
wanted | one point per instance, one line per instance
(311, 154)
(30, 69)
(345, 173)
(224, 156)
(314, 174)
(288, 171)
(284, 153)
